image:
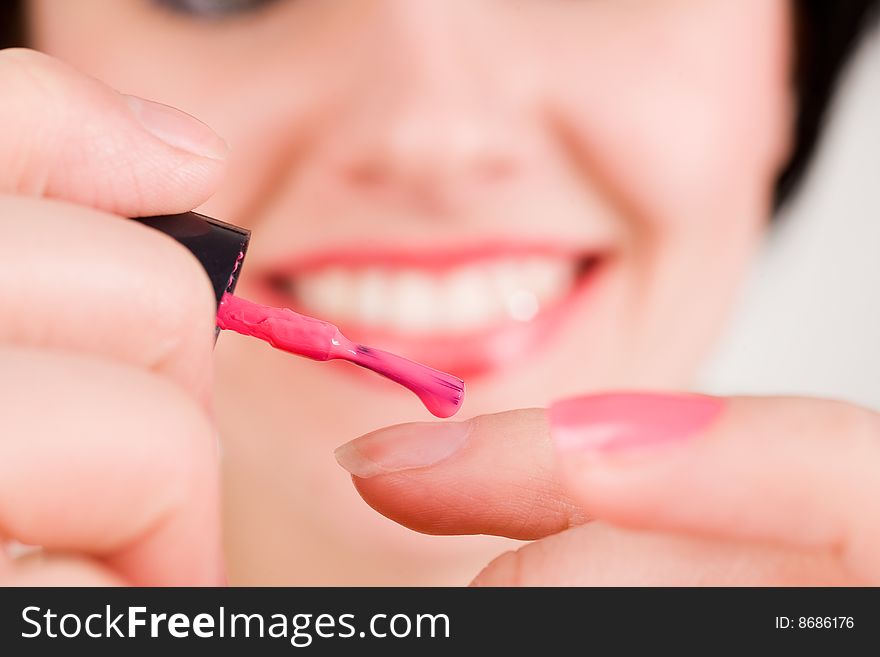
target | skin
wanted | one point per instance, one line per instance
(646, 127)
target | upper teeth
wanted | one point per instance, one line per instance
(463, 298)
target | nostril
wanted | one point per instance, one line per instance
(419, 156)
(496, 170)
(372, 174)
(365, 175)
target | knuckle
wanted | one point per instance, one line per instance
(37, 91)
(183, 439)
(854, 432)
(130, 444)
(182, 306)
(28, 73)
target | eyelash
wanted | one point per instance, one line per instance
(212, 8)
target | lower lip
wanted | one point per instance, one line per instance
(474, 354)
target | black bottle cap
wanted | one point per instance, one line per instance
(219, 246)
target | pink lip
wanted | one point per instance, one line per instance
(466, 355)
(434, 259)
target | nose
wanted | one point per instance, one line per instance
(430, 110)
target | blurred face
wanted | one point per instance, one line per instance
(543, 196)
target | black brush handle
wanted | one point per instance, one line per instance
(219, 246)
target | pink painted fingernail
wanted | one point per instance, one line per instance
(402, 447)
(618, 421)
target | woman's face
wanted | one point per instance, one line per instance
(544, 196)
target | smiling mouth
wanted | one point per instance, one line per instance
(464, 311)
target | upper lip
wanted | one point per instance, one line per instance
(436, 258)
(468, 353)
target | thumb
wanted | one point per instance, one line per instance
(67, 136)
(795, 472)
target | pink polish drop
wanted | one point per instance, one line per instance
(289, 331)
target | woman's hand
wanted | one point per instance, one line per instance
(682, 489)
(107, 453)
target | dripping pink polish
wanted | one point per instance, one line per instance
(221, 248)
(289, 331)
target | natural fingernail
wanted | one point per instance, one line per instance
(619, 421)
(177, 128)
(402, 447)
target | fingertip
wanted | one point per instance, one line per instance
(493, 474)
(177, 129)
(71, 137)
(183, 312)
(402, 447)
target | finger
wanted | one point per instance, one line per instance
(799, 472)
(600, 555)
(109, 460)
(58, 570)
(78, 279)
(65, 135)
(494, 474)
(5, 559)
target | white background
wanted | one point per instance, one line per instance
(809, 322)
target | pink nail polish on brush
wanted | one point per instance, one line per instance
(221, 248)
(289, 331)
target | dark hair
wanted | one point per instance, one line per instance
(826, 33)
